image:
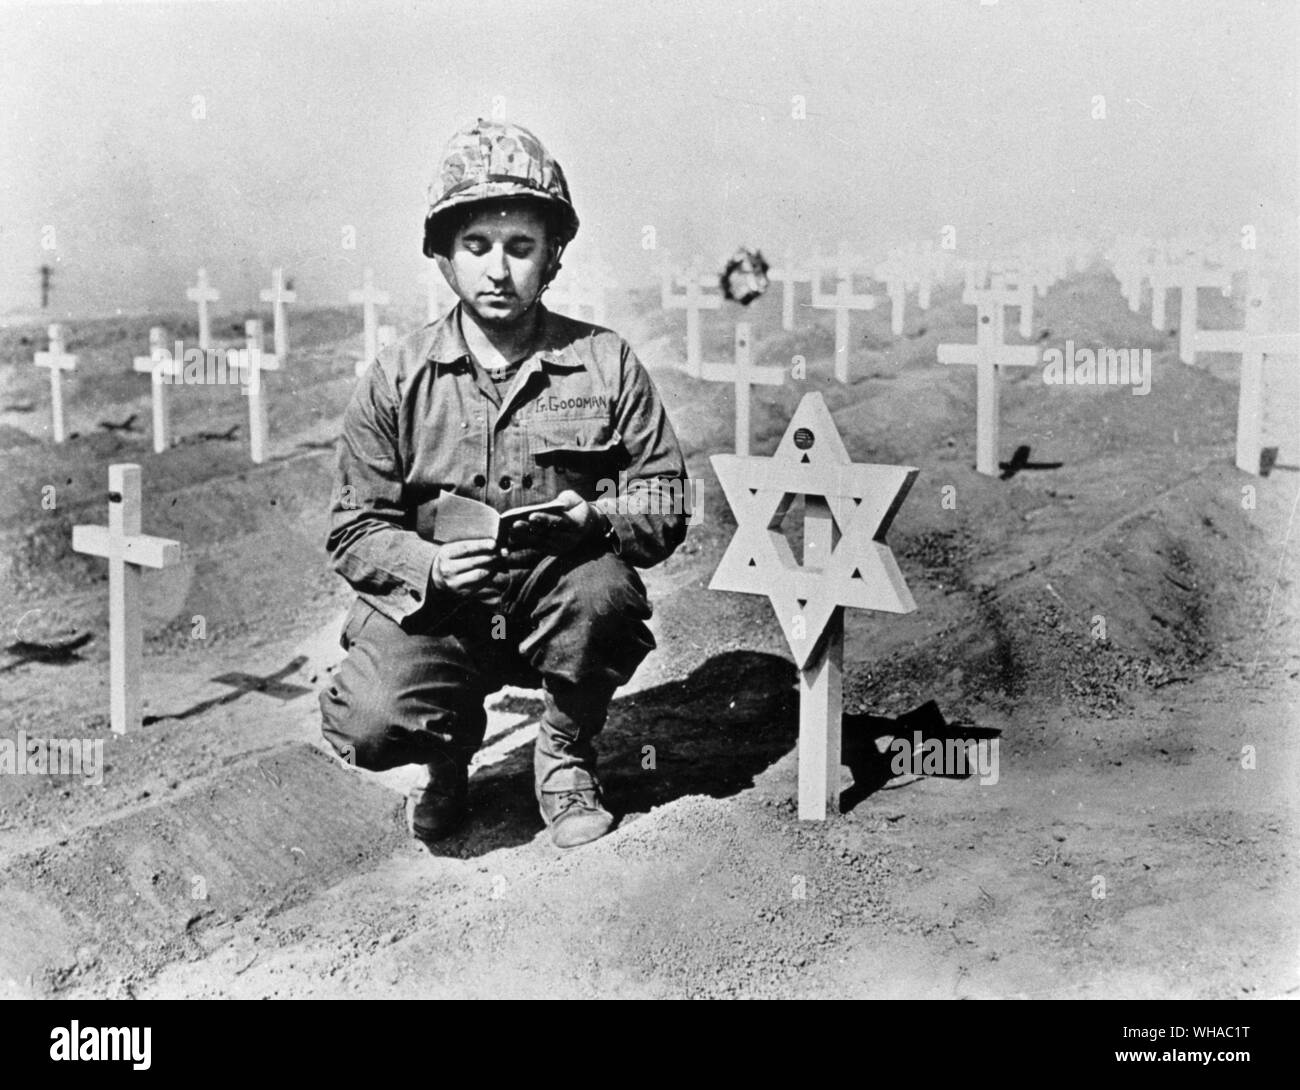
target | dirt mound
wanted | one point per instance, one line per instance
(119, 900)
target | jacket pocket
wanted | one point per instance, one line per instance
(578, 454)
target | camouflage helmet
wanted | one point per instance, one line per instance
(494, 160)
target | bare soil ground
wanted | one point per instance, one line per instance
(225, 855)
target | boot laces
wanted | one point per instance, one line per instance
(582, 798)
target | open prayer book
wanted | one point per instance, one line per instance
(457, 518)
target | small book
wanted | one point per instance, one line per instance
(458, 518)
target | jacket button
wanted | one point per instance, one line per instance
(479, 480)
(527, 480)
(505, 484)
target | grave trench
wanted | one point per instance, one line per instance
(117, 899)
(211, 518)
(1151, 575)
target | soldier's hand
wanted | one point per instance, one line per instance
(464, 567)
(559, 531)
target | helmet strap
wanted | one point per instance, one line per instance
(552, 270)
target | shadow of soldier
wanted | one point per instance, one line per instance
(710, 733)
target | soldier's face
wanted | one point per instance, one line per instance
(498, 262)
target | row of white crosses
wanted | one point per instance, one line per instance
(166, 370)
(695, 289)
(908, 267)
(1169, 266)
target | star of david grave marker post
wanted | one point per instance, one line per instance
(163, 370)
(988, 353)
(128, 551)
(743, 374)
(58, 361)
(842, 301)
(848, 508)
(278, 295)
(203, 293)
(1252, 343)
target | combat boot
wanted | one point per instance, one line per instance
(436, 805)
(576, 816)
(568, 793)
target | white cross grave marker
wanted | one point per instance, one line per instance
(127, 550)
(848, 508)
(203, 293)
(1252, 343)
(254, 361)
(164, 370)
(893, 273)
(384, 336)
(975, 274)
(693, 299)
(1158, 274)
(1019, 285)
(789, 274)
(58, 361)
(1189, 277)
(842, 302)
(988, 353)
(744, 374)
(921, 265)
(278, 295)
(369, 297)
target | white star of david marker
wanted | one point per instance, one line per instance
(848, 508)
(853, 568)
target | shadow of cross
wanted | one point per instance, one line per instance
(272, 685)
(1020, 460)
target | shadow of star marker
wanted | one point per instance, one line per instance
(860, 571)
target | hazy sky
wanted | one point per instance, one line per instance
(153, 138)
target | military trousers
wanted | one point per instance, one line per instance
(414, 693)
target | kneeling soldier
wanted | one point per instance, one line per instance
(505, 403)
